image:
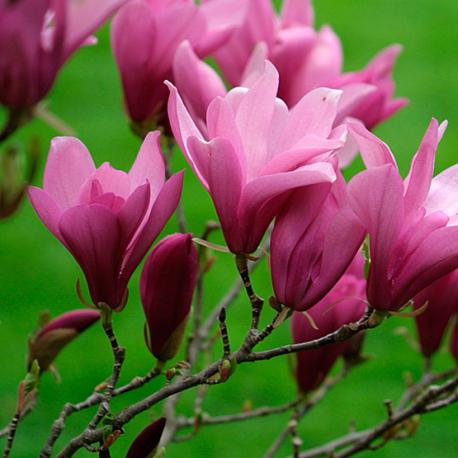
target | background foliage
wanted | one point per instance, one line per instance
(37, 273)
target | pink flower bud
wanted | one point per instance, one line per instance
(105, 217)
(37, 37)
(441, 301)
(344, 304)
(55, 335)
(146, 443)
(167, 285)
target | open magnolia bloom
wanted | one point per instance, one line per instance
(37, 37)
(254, 151)
(106, 218)
(344, 304)
(315, 238)
(411, 223)
(307, 59)
(145, 36)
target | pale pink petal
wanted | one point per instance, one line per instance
(84, 17)
(297, 13)
(373, 151)
(149, 165)
(68, 166)
(47, 209)
(255, 66)
(443, 193)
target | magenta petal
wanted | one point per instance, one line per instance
(376, 196)
(164, 206)
(68, 166)
(133, 213)
(78, 320)
(93, 236)
(196, 81)
(149, 165)
(422, 169)
(373, 151)
(225, 187)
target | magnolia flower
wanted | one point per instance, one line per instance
(145, 36)
(253, 151)
(146, 443)
(106, 218)
(307, 59)
(314, 240)
(441, 302)
(342, 305)
(411, 223)
(166, 288)
(55, 335)
(37, 37)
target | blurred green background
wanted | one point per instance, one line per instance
(37, 273)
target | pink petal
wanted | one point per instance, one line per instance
(353, 96)
(149, 165)
(373, 151)
(110, 180)
(297, 13)
(254, 117)
(84, 17)
(198, 83)
(93, 236)
(376, 196)
(314, 114)
(443, 194)
(68, 166)
(422, 169)
(47, 209)
(163, 208)
(225, 187)
(255, 66)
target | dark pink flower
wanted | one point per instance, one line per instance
(38, 36)
(145, 36)
(411, 223)
(106, 218)
(314, 240)
(55, 335)
(166, 287)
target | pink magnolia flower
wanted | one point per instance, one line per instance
(411, 223)
(314, 240)
(106, 218)
(145, 36)
(167, 286)
(441, 300)
(37, 37)
(342, 305)
(253, 151)
(307, 59)
(55, 335)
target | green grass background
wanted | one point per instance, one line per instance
(37, 273)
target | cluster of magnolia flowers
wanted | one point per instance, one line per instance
(268, 143)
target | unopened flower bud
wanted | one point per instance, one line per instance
(167, 285)
(55, 335)
(146, 443)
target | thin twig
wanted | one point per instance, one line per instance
(301, 411)
(11, 434)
